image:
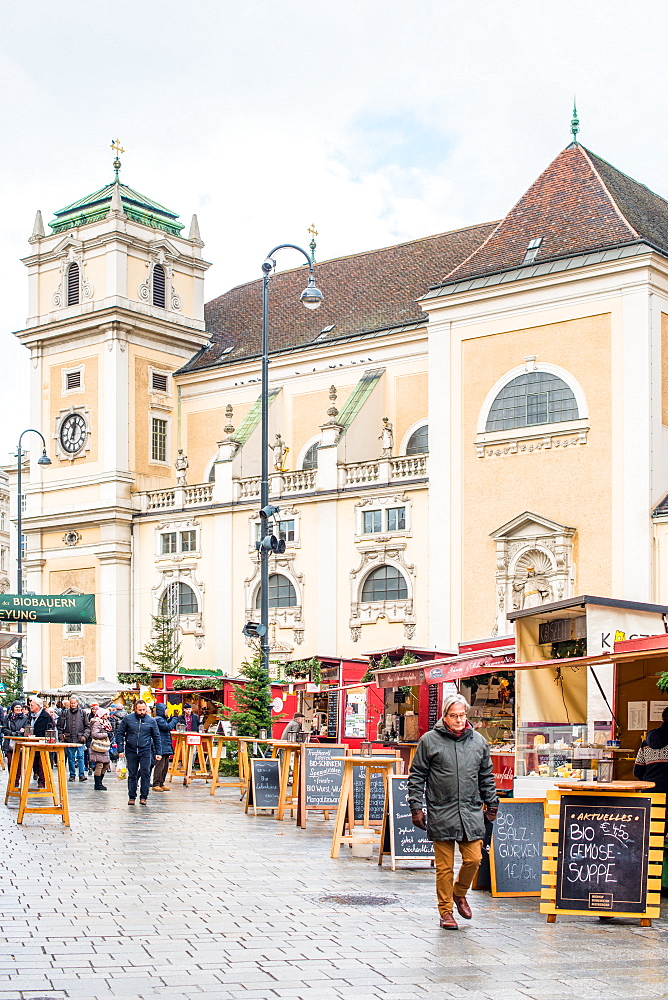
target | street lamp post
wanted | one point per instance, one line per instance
(43, 460)
(312, 298)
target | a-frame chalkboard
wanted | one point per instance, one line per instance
(399, 838)
(516, 853)
(264, 786)
(320, 777)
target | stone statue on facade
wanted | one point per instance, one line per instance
(386, 438)
(280, 450)
(181, 466)
(531, 592)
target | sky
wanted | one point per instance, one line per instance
(380, 122)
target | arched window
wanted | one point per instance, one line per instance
(532, 398)
(281, 593)
(158, 289)
(385, 584)
(73, 284)
(179, 599)
(418, 442)
(310, 460)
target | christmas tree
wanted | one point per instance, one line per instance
(164, 653)
(253, 711)
(12, 681)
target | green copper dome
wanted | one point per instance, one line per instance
(136, 206)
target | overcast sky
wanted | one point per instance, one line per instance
(378, 121)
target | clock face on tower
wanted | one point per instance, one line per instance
(73, 433)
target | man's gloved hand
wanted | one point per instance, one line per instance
(490, 813)
(417, 815)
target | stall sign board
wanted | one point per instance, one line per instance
(376, 795)
(399, 838)
(193, 739)
(320, 778)
(516, 855)
(603, 847)
(263, 789)
(332, 714)
(433, 713)
(51, 609)
(603, 854)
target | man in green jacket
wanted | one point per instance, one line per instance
(454, 763)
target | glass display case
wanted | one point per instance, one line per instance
(556, 751)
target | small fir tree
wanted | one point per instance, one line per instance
(163, 654)
(253, 711)
(12, 681)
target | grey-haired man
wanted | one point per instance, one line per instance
(454, 763)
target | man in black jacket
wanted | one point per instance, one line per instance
(40, 721)
(652, 759)
(74, 727)
(138, 740)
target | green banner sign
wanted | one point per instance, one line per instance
(48, 609)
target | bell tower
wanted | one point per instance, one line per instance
(116, 305)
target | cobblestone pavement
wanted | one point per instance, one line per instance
(189, 897)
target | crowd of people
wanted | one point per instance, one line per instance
(142, 743)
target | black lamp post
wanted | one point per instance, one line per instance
(43, 460)
(312, 298)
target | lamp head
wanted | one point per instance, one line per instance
(312, 297)
(44, 460)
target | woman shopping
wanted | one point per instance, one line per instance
(100, 740)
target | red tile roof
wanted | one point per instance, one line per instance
(370, 291)
(578, 204)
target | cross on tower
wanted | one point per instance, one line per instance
(116, 146)
(314, 232)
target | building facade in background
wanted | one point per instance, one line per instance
(473, 423)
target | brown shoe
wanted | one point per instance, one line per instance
(165, 788)
(449, 923)
(131, 802)
(462, 905)
(142, 802)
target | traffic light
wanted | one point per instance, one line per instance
(254, 630)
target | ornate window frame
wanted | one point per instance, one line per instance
(183, 524)
(316, 439)
(282, 617)
(163, 254)
(383, 504)
(285, 514)
(424, 422)
(71, 252)
(372, 556)
(537, 437)
(186, 624)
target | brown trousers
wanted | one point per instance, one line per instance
(160, 771)
(444, 851)
(101, 769)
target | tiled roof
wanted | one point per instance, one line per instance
(661, 508)
(578, 204)
(377, 290)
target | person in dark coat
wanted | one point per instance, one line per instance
(40, 721)
(652, 759)
(454, 763)
(138, 739)
(74, 727)
(15, 721)
(165, 727)
(190, 720)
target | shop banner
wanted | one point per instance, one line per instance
(48, 609)
(400, 677)
(468, 668)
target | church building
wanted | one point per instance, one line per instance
(473, 423)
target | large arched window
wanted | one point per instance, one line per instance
(537, 397)
(179, 599)
(385, 584)
(281, 593)
(158, 286)
(310, 459)
(418, 442)
(73, 284)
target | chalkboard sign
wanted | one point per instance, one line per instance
(320, 778)
(332, 714)
(399, 838)
(516, 855)
(376, 795)
(263, 790)
(603, 853)
(432, 717)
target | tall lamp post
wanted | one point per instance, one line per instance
(43, 460)
(312, 298)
